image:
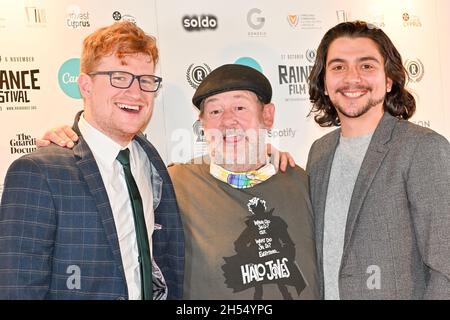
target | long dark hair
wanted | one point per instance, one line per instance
(398, 102)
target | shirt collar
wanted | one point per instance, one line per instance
(103, 147)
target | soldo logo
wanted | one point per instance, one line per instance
(199, 23)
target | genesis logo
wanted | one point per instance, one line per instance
(255, 20)
(199, 23)
(196, 73)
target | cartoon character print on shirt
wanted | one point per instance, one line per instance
(265, 253)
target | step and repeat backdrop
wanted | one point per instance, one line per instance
(40, 45)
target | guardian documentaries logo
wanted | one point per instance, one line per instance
(293, 73)
(415, 69)
(203, 22)
(256, 21)
(196, 73)
(117, 16)
(36, 17)
(16, 84)
(68, 76)
(76, 19)
(22, 144)
(410, 21)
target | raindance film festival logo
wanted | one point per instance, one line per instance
(76, 19)
(411, 21)
(415, 70)
(199, 23)
(196, 73)
(15, 87)
(68, 77)
(256, 21)
(22, 144)
(293, 73)
(36, 17)
(117, 16)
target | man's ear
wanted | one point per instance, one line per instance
(389, 84)
(268, 115)
(84, 84)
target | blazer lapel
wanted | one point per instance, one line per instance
(91, 175)
(322, 177)
(373, 159)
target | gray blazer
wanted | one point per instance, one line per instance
(398, 224)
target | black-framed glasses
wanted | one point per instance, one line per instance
(124, 80)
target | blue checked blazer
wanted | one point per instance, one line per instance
(57, 234)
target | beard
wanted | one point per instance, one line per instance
(373, 102)
(246, 154)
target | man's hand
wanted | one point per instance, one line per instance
(280, 159)
(62, 136)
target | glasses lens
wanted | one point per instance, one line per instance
(149, 83)
(121, 79)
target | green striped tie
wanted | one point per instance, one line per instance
(145, 262)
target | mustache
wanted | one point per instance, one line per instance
(354, 88)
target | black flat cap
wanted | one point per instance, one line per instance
(231, 77)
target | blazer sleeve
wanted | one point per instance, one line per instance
(27, 232)
(428, 186)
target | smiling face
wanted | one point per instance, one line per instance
(118, 113)
(235, 123)
(355, 79)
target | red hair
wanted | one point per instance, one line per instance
(121, 39)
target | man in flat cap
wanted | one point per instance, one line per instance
(248, 229)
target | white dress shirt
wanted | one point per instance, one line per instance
(105, 151)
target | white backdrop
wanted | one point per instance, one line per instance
(41, 41)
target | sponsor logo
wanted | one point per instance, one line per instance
(36, 17)
(422, 123)
(311, 55)
(196, 73)
(411, 20)
(117, 16)
(293, 73)
(309, 21)
(199, 23)
(15, 86)
(199, 131)
(67, 78)
(343, 16)
(22, 144)
(281, 133)
(76, 19)
(256, 22)
(292, 19)
(415, 69)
